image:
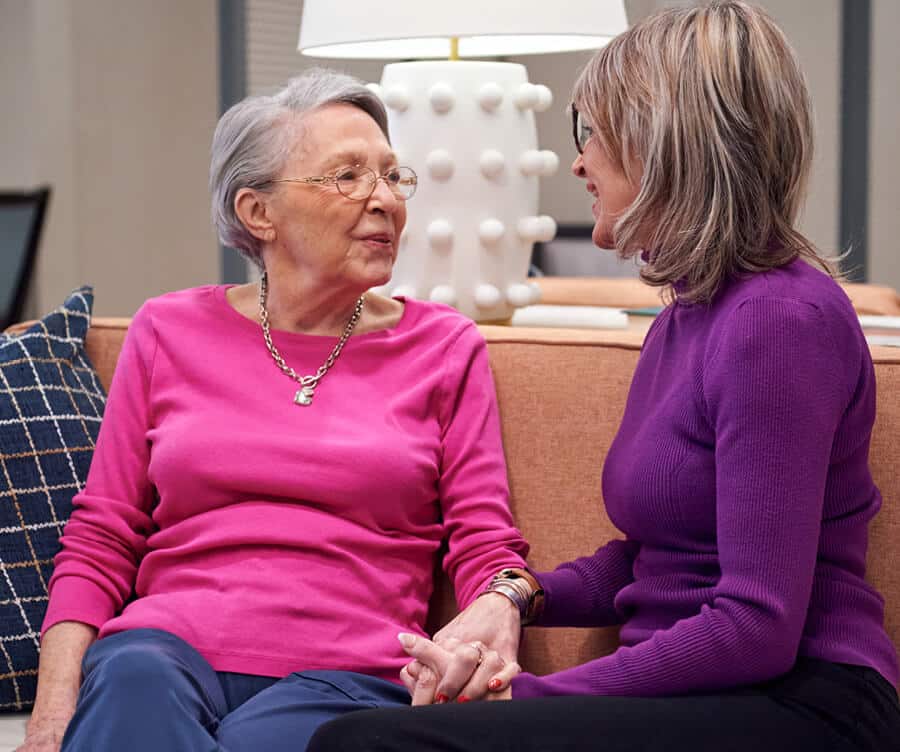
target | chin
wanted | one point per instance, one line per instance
(602, 239)
(377, 277)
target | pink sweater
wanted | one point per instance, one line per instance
(274, 537)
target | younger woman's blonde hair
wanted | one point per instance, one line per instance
(707, 111)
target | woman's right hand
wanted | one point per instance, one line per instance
(44, 735)
(59, 677)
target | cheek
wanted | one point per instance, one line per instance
(400, 219)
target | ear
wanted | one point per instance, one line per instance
(250, 207)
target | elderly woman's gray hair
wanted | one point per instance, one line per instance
(252, 142)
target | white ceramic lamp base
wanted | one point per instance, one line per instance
(468, 130)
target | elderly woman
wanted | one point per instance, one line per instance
(739, 473)
(279, 463)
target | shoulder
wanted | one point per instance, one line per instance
(439, 322)
(179, 302)
(795, 295)
(180, 316)
(797, 281)
(795, 320)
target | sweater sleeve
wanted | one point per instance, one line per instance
(105, 537)
(582, 593)
(473, 486)
(774, 399)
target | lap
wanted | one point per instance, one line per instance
(167, 683)
(285, 715)
(820, 706)
(575, 724)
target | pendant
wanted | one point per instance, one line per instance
(304, 396)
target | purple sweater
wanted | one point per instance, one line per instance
(740, 477)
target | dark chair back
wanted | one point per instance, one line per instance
(21, 221)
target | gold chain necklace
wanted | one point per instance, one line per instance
(308, 384)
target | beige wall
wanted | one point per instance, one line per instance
(814, 29)
(884, 145)
(15, 93)
(121, 100)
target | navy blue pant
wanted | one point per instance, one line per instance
(145, 689)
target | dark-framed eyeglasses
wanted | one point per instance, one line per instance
(357, 182)
(581, 131)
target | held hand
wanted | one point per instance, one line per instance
(490, 619)
(465, 670)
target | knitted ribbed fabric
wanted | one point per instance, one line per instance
(740, 477)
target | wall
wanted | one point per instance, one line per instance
(884, 144)
(15, 93)
(119, 103)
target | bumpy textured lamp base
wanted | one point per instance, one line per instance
(468, 129)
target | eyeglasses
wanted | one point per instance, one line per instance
(358, 183)
(581, 131)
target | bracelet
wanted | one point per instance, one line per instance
(507, 589)
(522, 589)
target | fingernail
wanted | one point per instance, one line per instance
(495, 684)
(463, 698)
(406, 640)
(441, 698)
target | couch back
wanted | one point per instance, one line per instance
(562, 394)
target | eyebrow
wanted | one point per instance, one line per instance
(354, 157)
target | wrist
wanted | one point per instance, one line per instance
(42, 723)
(522, 589)
(503, 600)
(51, 711)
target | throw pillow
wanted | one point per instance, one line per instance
(51, 403)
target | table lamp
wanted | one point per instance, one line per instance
(467, 127)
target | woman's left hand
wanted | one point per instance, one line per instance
(464, 671)
(490, 620)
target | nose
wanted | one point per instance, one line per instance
(578, 167)
(383, 198)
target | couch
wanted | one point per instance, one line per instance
(562, 393)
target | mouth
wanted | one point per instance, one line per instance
(379, 238)
(595, 206)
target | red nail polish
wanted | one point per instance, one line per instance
(441, 698)
(494, 684)
(463, 698)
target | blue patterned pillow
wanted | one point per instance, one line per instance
(51, 402)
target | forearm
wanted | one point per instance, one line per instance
(59, 673)
(582, 593)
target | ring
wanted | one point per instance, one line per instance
(480, 652)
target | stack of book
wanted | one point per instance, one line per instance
(881, 330)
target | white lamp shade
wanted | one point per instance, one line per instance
(412, 29)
